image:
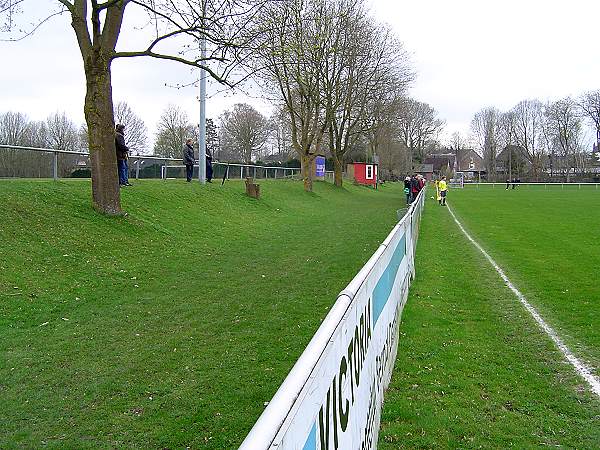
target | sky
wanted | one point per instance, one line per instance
(468, 55)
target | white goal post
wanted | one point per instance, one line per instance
(458, 182)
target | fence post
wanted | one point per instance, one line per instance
(55, 166)
(137, 168)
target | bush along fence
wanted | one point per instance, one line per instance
(332, 397)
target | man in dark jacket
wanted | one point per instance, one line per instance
(188, 159)
(414, 187)
(209, 168)
(122, 151)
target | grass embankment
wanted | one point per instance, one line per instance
(171, 327)
(473, 369)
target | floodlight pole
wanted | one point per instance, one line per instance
(202, 124)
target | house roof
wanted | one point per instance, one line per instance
(440, 161)
(424, 168)
(469, 160)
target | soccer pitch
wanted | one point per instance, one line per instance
(172, 327)
(547, 241)
(474, 369)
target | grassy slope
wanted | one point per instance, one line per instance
(172, 326)
(473, 370)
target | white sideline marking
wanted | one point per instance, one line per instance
(585, 372)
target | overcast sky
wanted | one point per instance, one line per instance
(468, 54)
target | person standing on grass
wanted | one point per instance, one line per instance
(421, 179)
(209, 168)
(443, 191)
(122, 151)
(188, 159)
(414, 187)
(407, 189)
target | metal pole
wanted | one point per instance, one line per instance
(202, 124)
(137, 168)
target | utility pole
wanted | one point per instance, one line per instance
(202, 125)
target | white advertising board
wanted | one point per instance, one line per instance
(333, 396)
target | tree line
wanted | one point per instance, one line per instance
(338, 77)
(550, 137)
(241, 134)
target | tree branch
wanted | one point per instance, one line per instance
(178, 59)
(29, 33)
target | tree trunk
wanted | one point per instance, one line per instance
(306, 163)
(98, 109)
(338, 171)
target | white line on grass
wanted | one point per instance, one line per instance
(585, 372)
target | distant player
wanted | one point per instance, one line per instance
(443, 186)
(407, 190)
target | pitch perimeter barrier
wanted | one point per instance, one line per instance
(137, 164)
(545, 184)
(332, 397)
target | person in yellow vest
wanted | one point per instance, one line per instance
(437, 190)
(443, 186)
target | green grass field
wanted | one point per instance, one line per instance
(548, 241)
(473, 368)
(172, 326)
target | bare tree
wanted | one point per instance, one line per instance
(173, 129)
(62, 134)
(212, 138)
(486, 128)
(244, 132)
(563, 125)
(527, 118)
(13, 131)
(226, 26)
(16, 129)
(290, 55)
(37, 135)
(13, 128)
(281, 132)
(419, 124)
(458, 143)
(589, 103)
(394, 156)
(364, 61)
(136, 133)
